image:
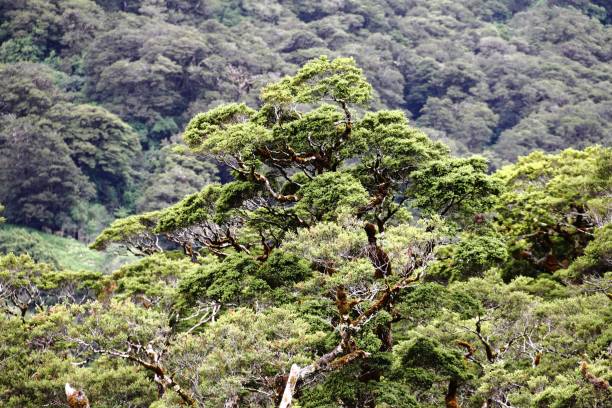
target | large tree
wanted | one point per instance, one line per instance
(347, 204)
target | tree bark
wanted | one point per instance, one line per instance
(451, 395)
(292, 380)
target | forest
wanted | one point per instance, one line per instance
(340, 203)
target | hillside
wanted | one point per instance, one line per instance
(61, 252)
(110, 83)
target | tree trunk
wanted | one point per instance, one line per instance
(451, 395)
(292, 380)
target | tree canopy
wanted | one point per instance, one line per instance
(351, 261)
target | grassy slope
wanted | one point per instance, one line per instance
(68, 253)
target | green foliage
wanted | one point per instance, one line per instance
(327, 243)
(424, 353)
(441, 62)
(319, 79)
(171, 175)
(35, 375)
(509, 371)
(211, 125)
(387, 138)
(381, 173)
(455, 184)
(94, 147)
(122, 320)
(164, 127)
(20, 49)
(347, 242)
(431, 300)
(113, 383)
(268, 342)
(477, 75)
(29, 89)
(552, 206)
(135, 230)
(101, 144)
(471, 122)
(192, 209)
(151, 281)
(473, 255)
(234, 279)
(597, 258)
(232, 195)
(40, 190)
(329, 194)
(344, 388)
(87, 220)
(282, 269)
(28, 286)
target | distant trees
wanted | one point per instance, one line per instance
(150, 71)
(99, 156)
(499, 78)
(171, 176)
(102, 146)
(56, 153)
(39, 182)
(49, 28)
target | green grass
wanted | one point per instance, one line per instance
(65, 253)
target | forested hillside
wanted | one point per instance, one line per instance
(107, 85)
(341, 203)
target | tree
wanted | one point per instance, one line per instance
(553, 207)
(317, 181)
(28, 89)
(39, 181)
(53, 27)
(347, 259)
(519, 341)
(30, 287)
(37, 362)
(101, 145)
(477, 69)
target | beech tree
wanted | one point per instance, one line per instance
(361, 198)
(554, 205)
(347, 258)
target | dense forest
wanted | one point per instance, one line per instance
(107, 86)
(337, 203)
